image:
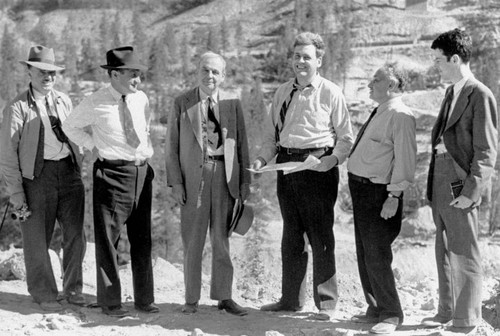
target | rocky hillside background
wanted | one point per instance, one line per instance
(255, 37)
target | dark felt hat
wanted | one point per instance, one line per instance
(42, 58)
(123, 58)
(242, 218)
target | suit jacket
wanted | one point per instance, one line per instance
(20, 134)
(470, 137)
(184, 152)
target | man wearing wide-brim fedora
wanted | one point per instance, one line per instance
(119, 117)
(42, 171)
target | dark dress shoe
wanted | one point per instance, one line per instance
(436, 321)
(363, 318)
(147, 308)
(280, 306)
(115, 311)
(190, 308)
(231, 307)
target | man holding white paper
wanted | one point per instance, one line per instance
(308, 116)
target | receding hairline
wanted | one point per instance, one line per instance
(209, 55)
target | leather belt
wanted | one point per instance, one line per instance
(118, 163)
(60, 160)
(216, 157)
(291, 151)
(359, 179)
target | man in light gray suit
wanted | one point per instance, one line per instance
(207, 157)
(464, 150)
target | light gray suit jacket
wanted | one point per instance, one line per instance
(184, 151)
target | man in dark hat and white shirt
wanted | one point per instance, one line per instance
(42, 171)
(118, 116)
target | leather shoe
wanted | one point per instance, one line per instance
(362, 318)
(280, 306)
(53, 306)
(436, 321)
(76, 299)
(231, 307)
(322, 315)
(383, 328)
(147, 308)
(115, 311)
(190, 308)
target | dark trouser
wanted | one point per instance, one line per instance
(306, 200)
(58, 193)
(122, 195)
(374, 236)
(458, 257)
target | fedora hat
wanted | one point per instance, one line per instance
(242, 218)
(123, 58)
(42, 58)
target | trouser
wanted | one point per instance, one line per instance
(57, 194)
(458, 257)
(122, 196)
(306, 200)
(374, 236)
(212, 207)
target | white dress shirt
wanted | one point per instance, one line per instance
(204, 112)
(101, 112)
(53, 149)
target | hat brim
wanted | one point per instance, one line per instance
(126, 66)
(242, 218)
(43, 66)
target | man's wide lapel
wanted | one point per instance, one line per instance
(461, 104)
(194, 113)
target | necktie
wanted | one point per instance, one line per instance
(39, 152)
(362, 130)
(445, 115)
(212, 118)
(128, 126)
(55, 122)
(283, 110)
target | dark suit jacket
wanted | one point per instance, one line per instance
(470, 137)
(184, 152)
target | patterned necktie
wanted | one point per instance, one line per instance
(283, 110)
(446, 114)
(212, 118)
(362, 130)
(128, 126)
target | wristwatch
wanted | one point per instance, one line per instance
(391, 195)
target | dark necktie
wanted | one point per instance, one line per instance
(128, 126)
(55, 122)
(212, 118)
(362, 130)
(445, 116)
(39, 152)
(283, 110)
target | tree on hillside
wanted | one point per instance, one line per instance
(88, 65)
(8, 52)
(214, 39)
(224, 35)
(105, 39)
(116, 30)
(140, 41)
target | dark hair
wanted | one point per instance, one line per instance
(308, 38)
(119, 70)
(395, 71)
(454, 42)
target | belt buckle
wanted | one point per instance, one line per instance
(288, 151)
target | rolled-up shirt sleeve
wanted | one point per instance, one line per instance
(405, 152)
(342, 127)
(76, 123)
